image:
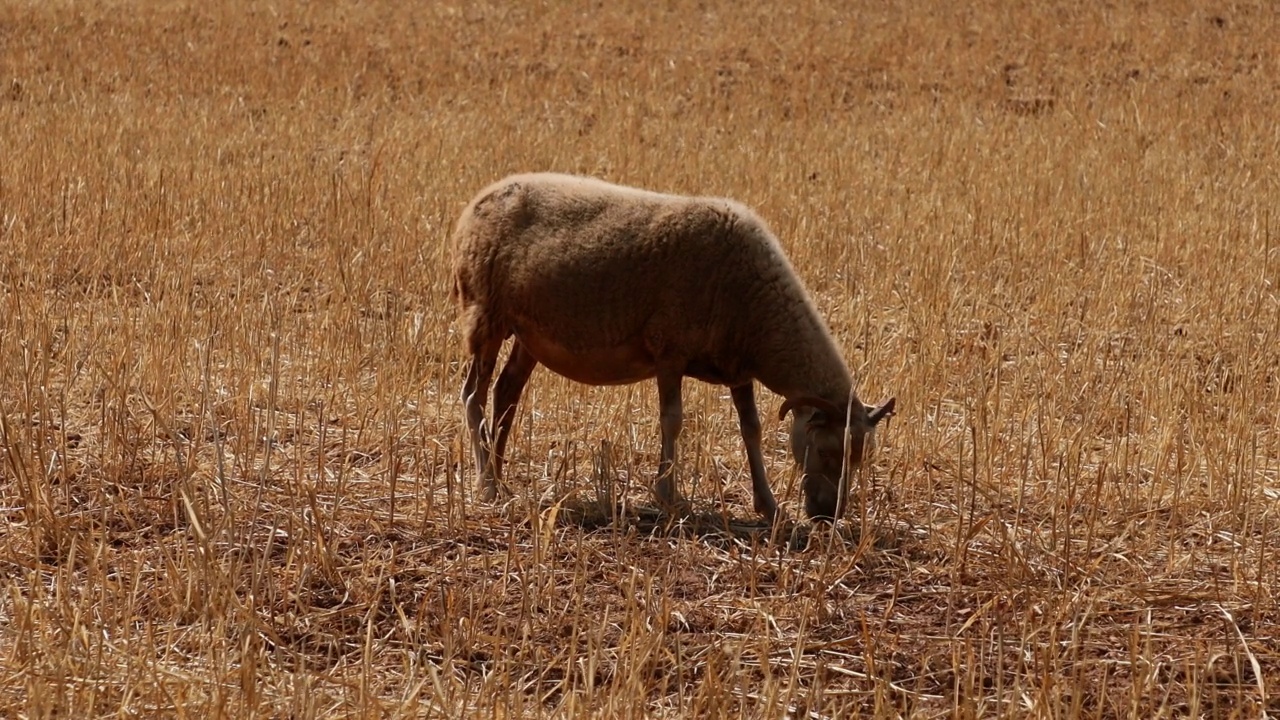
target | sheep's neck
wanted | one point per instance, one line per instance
(793, 368)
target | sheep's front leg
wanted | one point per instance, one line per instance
(744, 399)
(671, 415)
(474, 390)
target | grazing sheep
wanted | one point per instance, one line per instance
(608, 285)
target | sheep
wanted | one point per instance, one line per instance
(611, 285)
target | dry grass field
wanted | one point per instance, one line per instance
(234, 480)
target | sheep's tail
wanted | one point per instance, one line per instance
(455, 291)
(468, 311)
(459, 290)
(463, 288)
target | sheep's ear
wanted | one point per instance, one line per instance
(876, 414)
(827, 408)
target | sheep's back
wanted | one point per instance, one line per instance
(591, 265)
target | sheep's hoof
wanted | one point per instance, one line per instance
(769, 511)
(775, 517)
(675, 509)
(493, 491)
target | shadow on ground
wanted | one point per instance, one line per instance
(716, 528)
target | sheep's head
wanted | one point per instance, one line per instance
(818, 444)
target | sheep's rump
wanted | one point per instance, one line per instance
(583, 270)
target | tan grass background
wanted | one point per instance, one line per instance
(230, 476)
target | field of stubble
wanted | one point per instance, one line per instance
(233, 475)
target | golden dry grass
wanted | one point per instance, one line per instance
(230, 475)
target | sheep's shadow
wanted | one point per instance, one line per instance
(709, 526)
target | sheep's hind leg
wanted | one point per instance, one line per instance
(474, 390)
(506, 395)
(744, 399)
(671, 416)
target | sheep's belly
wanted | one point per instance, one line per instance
(618, 365)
